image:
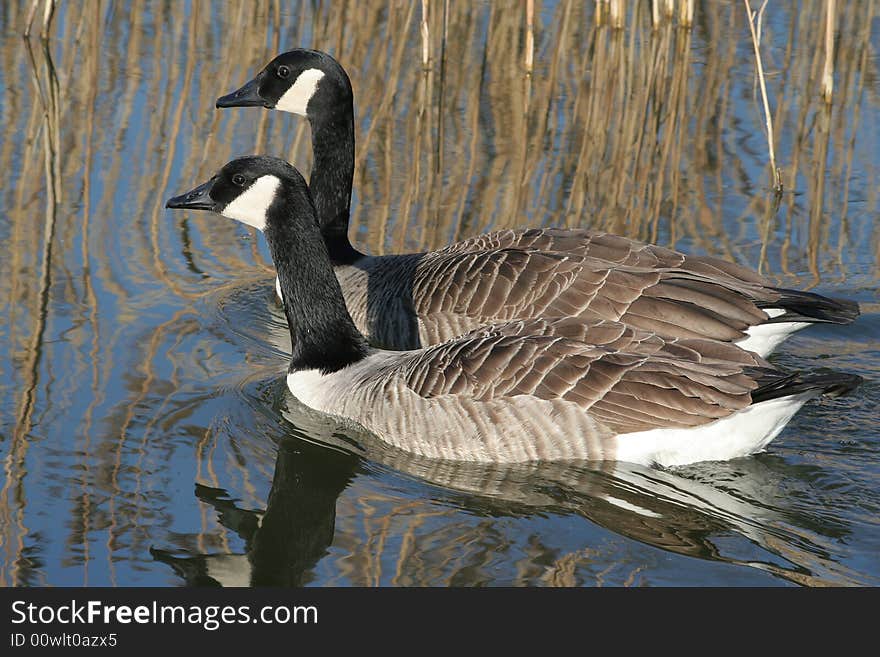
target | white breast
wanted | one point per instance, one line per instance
(330, 392)
(310, 387)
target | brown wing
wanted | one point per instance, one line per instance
(460, 288)
(615, 249)
(499, 284)
(617, 336)
(669, 384)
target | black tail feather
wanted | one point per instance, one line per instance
(773, 384)
(809, 307)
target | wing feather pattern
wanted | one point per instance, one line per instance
(544, 272)
(627, 379)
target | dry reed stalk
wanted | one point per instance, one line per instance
(530, 35)
(473, 122)
(759, 207)
(628, 142)
(849, 92)
(396, 61)
(802, 68)
(678, 120)
(433, 217)
(423, 135)
(616, 14)
(828, 68)
(686, 13)
(777, 174)
(262, 130)
(650, 179)
(442, 92)
(539, 118)
(543, 197)
(426, 35)
(414, 200)
(655, 14)
(48, 13)
(521, 176)
(817, 194)
(714, 124)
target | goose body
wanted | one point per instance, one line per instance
(425, 402)
(520, 390)
(406, 301)
(415, 300)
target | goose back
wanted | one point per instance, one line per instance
(406, 302)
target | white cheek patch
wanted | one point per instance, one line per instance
(252, 205)
(296, 99)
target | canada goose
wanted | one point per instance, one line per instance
(418, 299)
(516, 391)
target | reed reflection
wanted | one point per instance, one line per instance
(692, 513)
(118, 364)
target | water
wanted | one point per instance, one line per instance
(145, 432)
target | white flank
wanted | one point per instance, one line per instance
(774, 312)
(764, 338)
(296, 99)
(743, 433)
(251, 206)
(278, 290)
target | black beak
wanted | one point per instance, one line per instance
(247, 96)
(197, 199)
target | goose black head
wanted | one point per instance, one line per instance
(247, 188)
(305, 82)
(272, 196)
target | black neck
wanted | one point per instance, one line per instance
(331, 179)
(322, 333)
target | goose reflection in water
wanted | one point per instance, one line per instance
(693, 512)
(284, 542)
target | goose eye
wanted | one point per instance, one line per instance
(238, 179)
(283, 71)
